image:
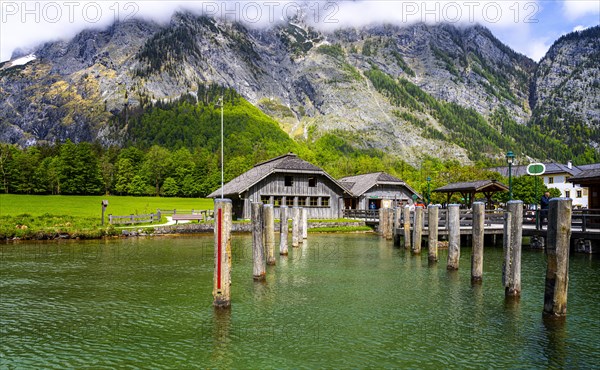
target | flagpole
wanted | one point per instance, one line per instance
(222, 158)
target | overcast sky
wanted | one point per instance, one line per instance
(528, 26)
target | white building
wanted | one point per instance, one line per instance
(556, 176)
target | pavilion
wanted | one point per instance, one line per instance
(468, 190)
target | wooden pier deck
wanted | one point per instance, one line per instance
(585, 224)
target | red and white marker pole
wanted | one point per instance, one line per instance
(222, 273)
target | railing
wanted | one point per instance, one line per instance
(581, 218)
(363, 214)
(134, 219)
(206, 212)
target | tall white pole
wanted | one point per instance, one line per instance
(222, 158)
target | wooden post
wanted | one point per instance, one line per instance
(512, 250)
(453, 236)
(385, 223)
(418, 230)
(295, 227)
(397, 218)
(258, 248)
(269, 220)
(381, 228)
(406, 214)
(222, 272)
(557, 251)
(506, 255)
(432, 239)
(390, 224)
(283, 231)
(477, 240)
(304, 215)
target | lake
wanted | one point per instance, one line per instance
(340, 301)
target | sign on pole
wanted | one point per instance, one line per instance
(536, 169)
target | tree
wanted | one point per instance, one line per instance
(170, 187)
(157, 164)
(124, 175)
(79, 172)
(138, 186)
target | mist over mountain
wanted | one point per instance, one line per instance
(415, 91)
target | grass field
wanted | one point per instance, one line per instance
(52, 216)
(89, 206)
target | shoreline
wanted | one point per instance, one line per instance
(175, 230)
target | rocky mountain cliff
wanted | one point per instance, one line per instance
(566, 95)
(412, 91)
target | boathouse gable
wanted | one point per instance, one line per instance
(286, 180)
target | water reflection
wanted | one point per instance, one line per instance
(555, 348)
(221, 339)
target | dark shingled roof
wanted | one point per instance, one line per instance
(585, 177)
(359, 184)
(289, 163)
(474, 186)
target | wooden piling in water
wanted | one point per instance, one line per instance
(258, 248)
(557, 251)
(453, 236)
(304, 218)
(295, 227)
(432, 239)
(386, 223)
(222, 272)
(417, 230)
(283, 231)
(269, 225)
(477, 242)
(512, 250)
(406, 215)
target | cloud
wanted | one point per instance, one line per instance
(25, 25)
(575, 9)
(579, 28)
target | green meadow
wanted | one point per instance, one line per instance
(51, 216)
(90, 206)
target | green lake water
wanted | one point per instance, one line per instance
(339, 301)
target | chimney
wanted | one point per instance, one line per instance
(569, 165)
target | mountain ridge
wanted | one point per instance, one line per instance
(311, 82)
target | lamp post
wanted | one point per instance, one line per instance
(428, 190)
(510, 157)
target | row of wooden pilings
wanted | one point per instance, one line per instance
(263, 242)
(557, 248)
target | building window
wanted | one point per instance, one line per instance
(567, 194)
(288, 180)
(289, 201)
(301, 201)
(265, 199)
(314, 201)
(312, 182)
(277, 201)
(579, 193)
(325, 202)
(550, 180)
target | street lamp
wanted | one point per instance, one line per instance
(428, 190)
(510, 158)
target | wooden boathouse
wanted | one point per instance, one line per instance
(376, 190)
(286, 181)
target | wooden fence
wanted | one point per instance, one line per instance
(135, 219)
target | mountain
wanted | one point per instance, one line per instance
(566, 96)
(415, 91)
